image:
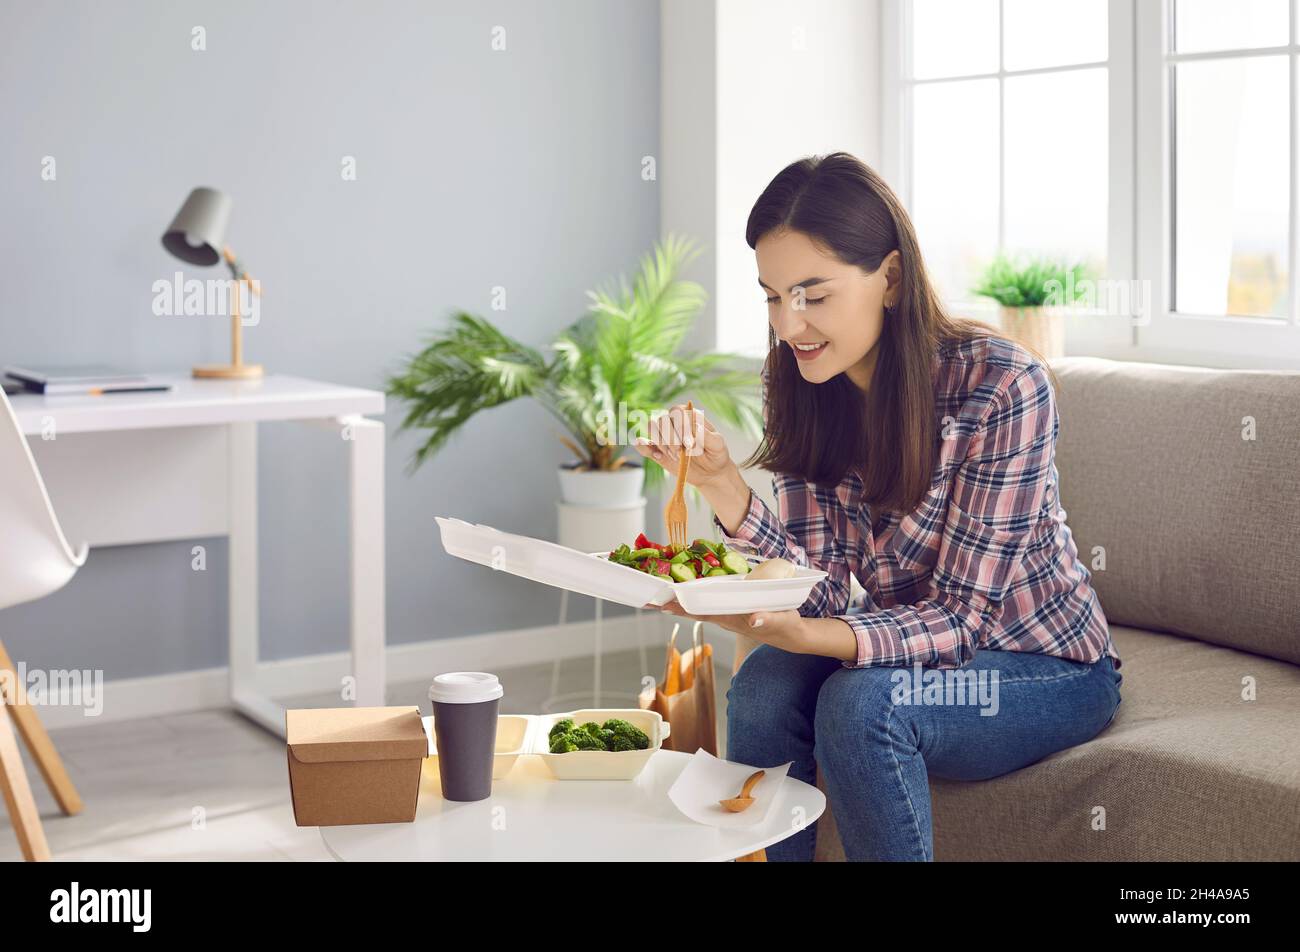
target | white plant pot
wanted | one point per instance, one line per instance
(599, 528)
(606, 489)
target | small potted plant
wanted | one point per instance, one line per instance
(602, 378)
(1033, 295)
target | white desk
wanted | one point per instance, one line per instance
(182, 464)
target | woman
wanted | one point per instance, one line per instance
(915, 452)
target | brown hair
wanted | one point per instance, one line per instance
(822, 432)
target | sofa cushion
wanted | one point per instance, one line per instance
(1200, 528)
(1188, 770)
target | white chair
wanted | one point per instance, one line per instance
(35, 560)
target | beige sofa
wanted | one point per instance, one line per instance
(1187, 481)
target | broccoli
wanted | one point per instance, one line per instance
(563, 744)
(588, 736)
(614, 735)
(622, 729)
(588, 741)
(560, 727)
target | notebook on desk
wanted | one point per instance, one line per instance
(92, 378)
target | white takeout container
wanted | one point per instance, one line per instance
(597, 764)
(512, 731)
(519, 734)
(591, 573)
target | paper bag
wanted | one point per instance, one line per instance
(685, 697)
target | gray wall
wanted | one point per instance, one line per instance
(474, 168)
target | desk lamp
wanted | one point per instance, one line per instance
(196, 236)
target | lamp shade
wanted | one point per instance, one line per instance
(197, 233)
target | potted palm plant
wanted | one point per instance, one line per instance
(1033, 295)
(601, 378)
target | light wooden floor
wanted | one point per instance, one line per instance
(211, 786)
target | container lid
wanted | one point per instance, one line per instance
(465, 687)
(328, 735)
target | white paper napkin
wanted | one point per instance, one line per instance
(706, 780)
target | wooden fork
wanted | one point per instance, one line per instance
(675, 511)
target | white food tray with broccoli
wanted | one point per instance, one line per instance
(590, 744)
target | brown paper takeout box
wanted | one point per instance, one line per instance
(355, 764)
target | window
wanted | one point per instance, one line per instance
(1157, 137)
(1005, 112)
(1216, 140)
(1229, 71)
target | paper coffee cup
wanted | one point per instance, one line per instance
(465, 707)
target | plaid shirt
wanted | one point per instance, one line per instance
(986, 560)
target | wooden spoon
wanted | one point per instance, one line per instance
(744, 801)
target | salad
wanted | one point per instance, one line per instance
(701, 559)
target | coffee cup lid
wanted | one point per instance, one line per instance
(465, 687)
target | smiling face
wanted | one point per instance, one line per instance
(829, 313)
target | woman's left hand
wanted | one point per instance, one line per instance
(786, 630)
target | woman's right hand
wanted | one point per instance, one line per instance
(667, 434)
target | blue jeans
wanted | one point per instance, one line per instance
(879, 733)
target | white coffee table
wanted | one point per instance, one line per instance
(531, 816)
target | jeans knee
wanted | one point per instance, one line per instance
(855, 705)
(756, 689)
(773, 686)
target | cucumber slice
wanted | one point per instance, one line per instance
(680, 557)
(735, 563)
(717, 571)
(682, 572)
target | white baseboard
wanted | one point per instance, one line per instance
(185, 691)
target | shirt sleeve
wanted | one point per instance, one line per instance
(994, 509)
(810, 529)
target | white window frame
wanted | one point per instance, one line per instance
(1198, 338)
(1139, 234)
